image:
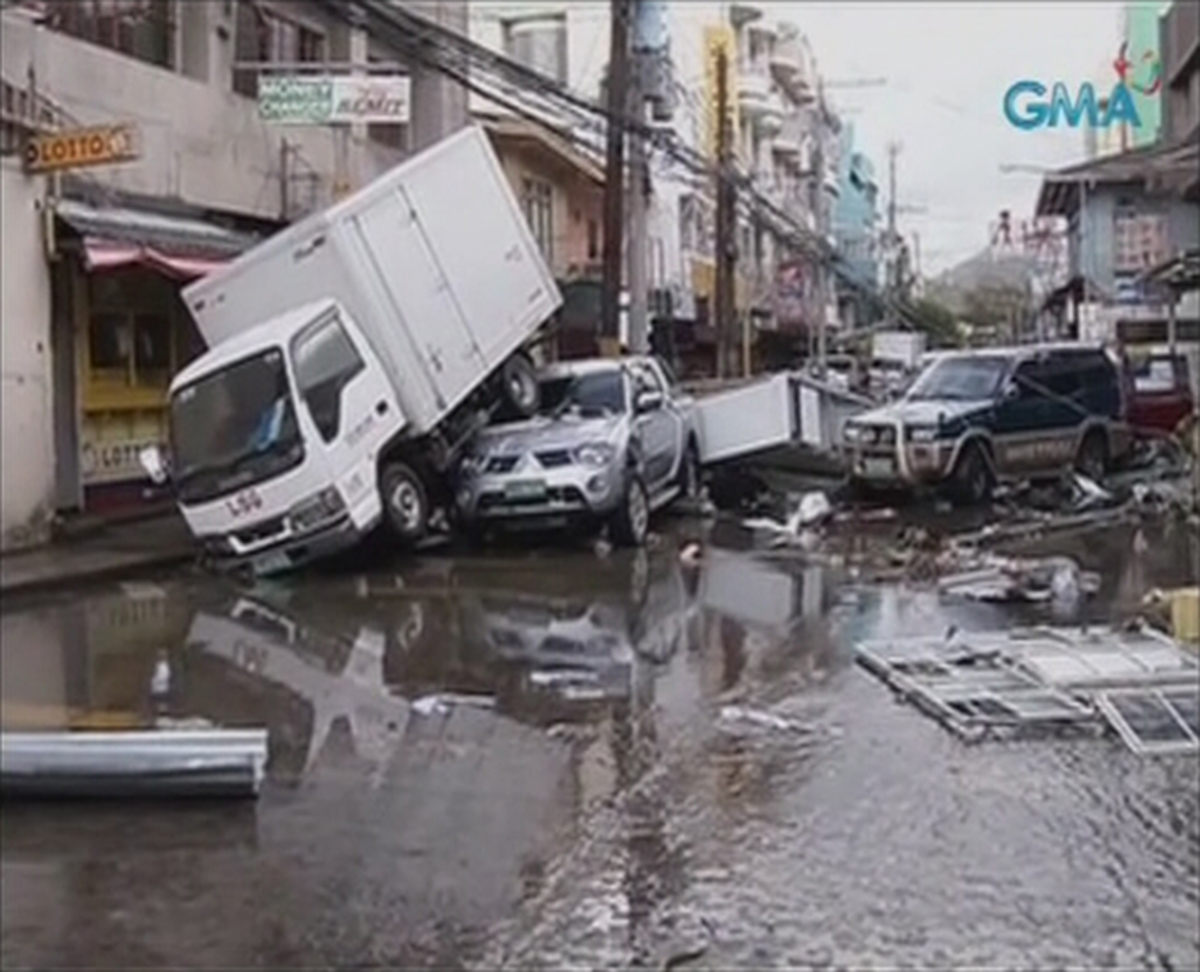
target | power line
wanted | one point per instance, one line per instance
(432, 45)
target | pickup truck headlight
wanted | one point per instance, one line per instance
(473, 465)
(852, 433)
(922, 433)
(317, 509)
(595, 454)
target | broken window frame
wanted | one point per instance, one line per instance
(1108, 704)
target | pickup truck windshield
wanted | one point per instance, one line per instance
(960, 379)
(234, 428)
(598, 393)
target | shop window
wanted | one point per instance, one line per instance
(151, 344)
(110, 343)
(593, 240)
(143, 29)
(262, 36)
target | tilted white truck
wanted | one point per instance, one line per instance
(351, 356)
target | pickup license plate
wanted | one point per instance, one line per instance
(529, 489)
(272, 563)
(879, 467)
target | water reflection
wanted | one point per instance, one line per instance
(388, 831)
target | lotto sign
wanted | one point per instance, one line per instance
(82, 147)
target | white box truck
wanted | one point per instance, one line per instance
(350, 358)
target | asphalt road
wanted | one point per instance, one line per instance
(542, 757)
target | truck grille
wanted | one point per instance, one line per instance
(554, 458)
(264, 530)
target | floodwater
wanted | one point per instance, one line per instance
(551, 758)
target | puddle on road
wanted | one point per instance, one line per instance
(453, 737)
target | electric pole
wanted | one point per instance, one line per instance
(639, 326)
(893, 150)
(726, 215)
(614, 169)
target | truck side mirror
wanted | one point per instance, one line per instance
(155, 463)
(1011, 391)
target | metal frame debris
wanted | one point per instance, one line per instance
(1009, 683)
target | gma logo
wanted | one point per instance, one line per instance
(1027, 107)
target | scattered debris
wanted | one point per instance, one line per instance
(602, 547)
(814, 509)
(733, 714)
(1007, 580)
(1009, 683)
(443, 702)
(691, 554)
(1180, 611)
(1090, 494)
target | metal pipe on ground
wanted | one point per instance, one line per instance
(228, 763)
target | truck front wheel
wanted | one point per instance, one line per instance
(405, 502)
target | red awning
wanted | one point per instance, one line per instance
(111, 254)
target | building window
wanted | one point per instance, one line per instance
(143, 29)
(593, 240)
(539, 43)
(537, 202)
(265, 37)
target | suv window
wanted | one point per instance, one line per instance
(645, 379)
(1156, 374)
(325, 362)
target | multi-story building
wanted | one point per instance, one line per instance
(856, 226)
(95, 257)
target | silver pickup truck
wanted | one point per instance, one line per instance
(616, 439)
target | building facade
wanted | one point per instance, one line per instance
(856, 226)
(206, 175)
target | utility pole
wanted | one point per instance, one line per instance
(639, 326)
(893, 282)
(614, 169)
(726, 215)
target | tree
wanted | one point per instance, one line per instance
(938, 322)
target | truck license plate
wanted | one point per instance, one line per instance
(879, 467)
(525, 490)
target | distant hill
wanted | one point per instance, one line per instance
(986, 269)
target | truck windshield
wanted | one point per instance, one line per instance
(961, 379)
(234, 428)
(597, 393)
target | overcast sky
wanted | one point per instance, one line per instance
(948, 65)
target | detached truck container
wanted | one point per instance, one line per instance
(350, 358)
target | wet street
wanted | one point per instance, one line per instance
(550, 758)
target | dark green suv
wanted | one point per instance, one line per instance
(975, 417)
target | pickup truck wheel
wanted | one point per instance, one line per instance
(519, 385)
(405, 502)
(971, 482)
(1092, 459)
(631, 522)
(689, 474)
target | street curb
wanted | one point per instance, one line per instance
(97, 575)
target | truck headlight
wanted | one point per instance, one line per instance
(317, 509)
(595, 454)
(922, 433)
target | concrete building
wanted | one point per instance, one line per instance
(856, 225)
(97, 325)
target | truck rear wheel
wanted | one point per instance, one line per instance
(405, 502)
(519, 385)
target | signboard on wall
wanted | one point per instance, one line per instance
(717, 39)
(82, 148)
(114, 461)
(330, 100)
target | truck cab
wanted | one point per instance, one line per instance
(274, 440)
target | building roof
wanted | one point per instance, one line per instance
(1171, 167)
(520, 130)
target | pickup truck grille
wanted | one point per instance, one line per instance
(554, 459)
(260, 531)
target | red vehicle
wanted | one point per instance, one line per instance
(1160, 392)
